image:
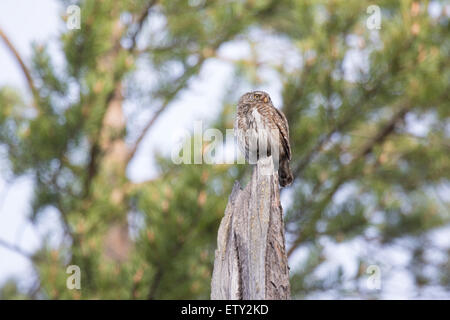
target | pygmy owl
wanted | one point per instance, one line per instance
(262, 130)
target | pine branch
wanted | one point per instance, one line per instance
(358, 108)
(24, 69)
(346, 172)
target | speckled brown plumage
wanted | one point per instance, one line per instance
(255, 115)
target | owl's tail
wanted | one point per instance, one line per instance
(284, 173)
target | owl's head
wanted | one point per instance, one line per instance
(254, 97)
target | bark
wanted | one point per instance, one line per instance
(250, 260)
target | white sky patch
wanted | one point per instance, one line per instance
(15, 228)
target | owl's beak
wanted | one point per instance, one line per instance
(265, 99)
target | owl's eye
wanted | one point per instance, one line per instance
(257, 96)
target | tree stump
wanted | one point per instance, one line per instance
(250, 260)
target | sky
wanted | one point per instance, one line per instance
(28, 21)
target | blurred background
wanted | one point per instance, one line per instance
(90, 117)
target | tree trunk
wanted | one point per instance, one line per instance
(250, 260)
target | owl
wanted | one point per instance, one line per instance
(262, 130)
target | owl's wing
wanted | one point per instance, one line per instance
(283, 126)
(239, 134)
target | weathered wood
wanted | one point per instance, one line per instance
(250, 260)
